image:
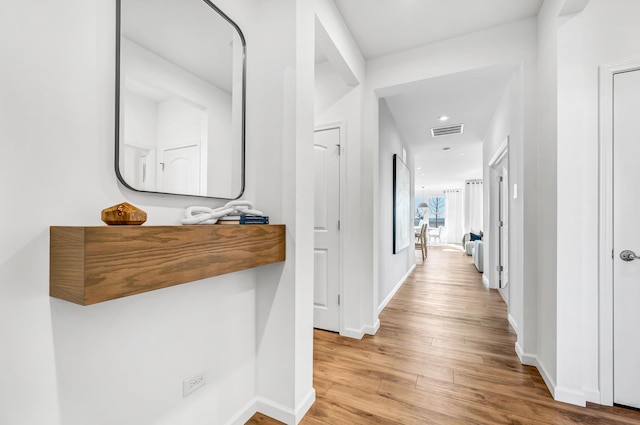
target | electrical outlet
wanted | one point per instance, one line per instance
(192, 384)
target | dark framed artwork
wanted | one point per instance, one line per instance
(402, 228)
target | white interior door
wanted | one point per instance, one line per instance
(326, 229)
(626, 236)
(180, 170)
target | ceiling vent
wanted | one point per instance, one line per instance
(447, 130)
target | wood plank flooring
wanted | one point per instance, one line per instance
(444, 354)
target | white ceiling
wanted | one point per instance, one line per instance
(381, 27)
(468, 98)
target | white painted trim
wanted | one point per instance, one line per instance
(283, 413)
(519, 352)
(485, 281)
(372, 330)
(328, 126)
(243, 414)
(342, 128)
(605, 236)
(528, 359)
(592, 395)
(275, 410)
(504, 298)
(359, 333)
(533, 360)
(605, 225)
(513, 323)
(352, 333)
(567, 395)
(395, 289)
(492, 256)
(303, 407)
(578, 398)
(501, 152)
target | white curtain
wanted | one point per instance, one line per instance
(454, 216)
(473, 205)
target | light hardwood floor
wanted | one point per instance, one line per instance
(444, 354)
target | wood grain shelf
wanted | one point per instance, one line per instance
(89, 265)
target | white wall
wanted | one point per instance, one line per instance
(547, 184)
(140, 126)
(512, 44)
(506, 123)
(123, 361)
(336, 42)
(338, 98)
(140, 120)
(570, 50)
(279, 157)
(606, 32)
(391, 267)
(336, 102)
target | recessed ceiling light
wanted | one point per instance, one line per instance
(443, 118)
(445, 149)
(461, 154)
(418, 168)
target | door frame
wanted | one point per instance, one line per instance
(500, 158)
(342, 129)
(605, 224)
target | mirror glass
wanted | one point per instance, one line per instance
(179, 98)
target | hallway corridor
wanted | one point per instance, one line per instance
(444, 354)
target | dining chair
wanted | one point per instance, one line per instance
(435, 234)
(421, 241)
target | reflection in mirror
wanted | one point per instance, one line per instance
(179, 99)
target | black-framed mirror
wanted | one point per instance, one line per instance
(180, 98)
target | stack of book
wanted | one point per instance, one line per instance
(244, 219)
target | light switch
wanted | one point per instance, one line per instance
(515, 191)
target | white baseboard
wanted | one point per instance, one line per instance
(359, 333)
(352, 333)
(372, 330)
(532, 360)
(519, 352)
(567, 395)
(513, 323)
(395, 289)
(528, 359)
(485, 281)
(592, 395)
(303, 407)
(503, 296)
(275, 410)
(283, 413)
(244, 414)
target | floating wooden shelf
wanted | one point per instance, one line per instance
(94, 264)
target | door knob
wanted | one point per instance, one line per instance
(628, 255)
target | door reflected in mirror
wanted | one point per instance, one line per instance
(179, 99)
